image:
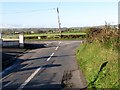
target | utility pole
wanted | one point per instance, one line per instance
(59, 22)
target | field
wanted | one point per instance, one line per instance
(66, 33)
(47, 36)
(55, 36)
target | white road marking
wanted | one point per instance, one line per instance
(32, 76)
(36, 71)
(5, 77)
(60, 42)
(50, 56)
(57, 48)
(7, 84)
(29, 78)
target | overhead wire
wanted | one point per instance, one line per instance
(59, 3)
(29, 11)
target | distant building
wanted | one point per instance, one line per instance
(16, 32)
(32, 32)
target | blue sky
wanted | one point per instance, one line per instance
(72, 14)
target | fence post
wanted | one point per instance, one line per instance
(21, 40)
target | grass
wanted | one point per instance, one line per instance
(99, 65)
(55, 39)
(73, 33)
(10, 36)
(30, 35)
(66, 33)
(48, 36)
(56, 36)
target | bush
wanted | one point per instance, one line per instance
(98, 57)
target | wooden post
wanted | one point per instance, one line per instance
(59, 22)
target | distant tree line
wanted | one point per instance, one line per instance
(50, 30)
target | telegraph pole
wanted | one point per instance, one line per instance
(59, 22)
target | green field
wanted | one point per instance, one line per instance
(66, 33)
(10, 36)
(48, 36)
(55, 36)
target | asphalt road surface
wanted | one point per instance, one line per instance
(51, 67)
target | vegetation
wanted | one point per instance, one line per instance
(56, 36)
(45, 33)
(98, 57)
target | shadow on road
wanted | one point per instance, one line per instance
(33, 46)
(43, 67)
(45, 57)
(39, 84)
(42, 87)
(10, 53)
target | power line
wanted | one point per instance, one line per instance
(30, 11)
(59, 4)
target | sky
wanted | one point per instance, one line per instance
(44, 14)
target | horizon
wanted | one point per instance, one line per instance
(52, 27)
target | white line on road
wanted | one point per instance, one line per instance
(32, 76)
(28, 80)
(50, 56)
(5, 77)
(36, 71)
(7, 84)
(57, 48)
(60, 42)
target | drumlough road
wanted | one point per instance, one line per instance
(51, 67)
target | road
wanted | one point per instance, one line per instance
(51, 67)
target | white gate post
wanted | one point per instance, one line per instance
(0, 35)
(0, 60)
(21, 40)
(0, 40)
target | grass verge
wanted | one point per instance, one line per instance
(99, 65)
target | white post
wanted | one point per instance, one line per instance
(0, 40)
(0, 59)
(0, 36)
(21, 40)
